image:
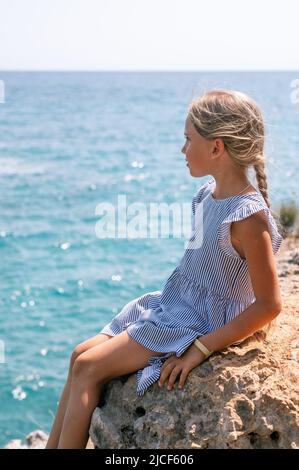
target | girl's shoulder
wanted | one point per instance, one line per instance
(243, 208)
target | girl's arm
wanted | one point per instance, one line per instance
(253, 234)
(255, 240)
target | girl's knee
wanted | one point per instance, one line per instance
(85, 345)
(86, 370)
(75, 354)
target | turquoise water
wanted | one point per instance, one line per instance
(68, 142)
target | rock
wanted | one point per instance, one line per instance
(15, 444)
(35, 440)
(89, 444)
(245, 396)
(295, 258)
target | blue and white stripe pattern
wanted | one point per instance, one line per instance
(210, 286)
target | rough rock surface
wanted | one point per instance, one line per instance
(35, 440)
(245, 396)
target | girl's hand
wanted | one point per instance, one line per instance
(174, 366)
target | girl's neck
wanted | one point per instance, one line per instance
(228, 189)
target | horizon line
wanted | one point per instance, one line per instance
(146, 70)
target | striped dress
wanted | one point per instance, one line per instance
(210, 286)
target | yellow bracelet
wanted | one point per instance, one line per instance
(202, 348)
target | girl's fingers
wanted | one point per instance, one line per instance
(173, 376)
(183, 377)
(165, 371)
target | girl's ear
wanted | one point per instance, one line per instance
(217, 147)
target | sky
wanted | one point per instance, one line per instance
(149, 35)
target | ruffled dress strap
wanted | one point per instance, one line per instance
(249, 208)
(197, 197)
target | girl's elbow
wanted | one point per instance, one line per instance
(275, 307)
(271, 308)
(278, 308)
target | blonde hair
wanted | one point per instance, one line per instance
(235, 118)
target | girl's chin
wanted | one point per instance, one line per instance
(195, 174)
(190, 170)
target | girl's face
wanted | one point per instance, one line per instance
(199, 151)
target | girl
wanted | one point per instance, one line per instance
(222, 291)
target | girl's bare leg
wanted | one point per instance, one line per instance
(57, 425)
(120, 356)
